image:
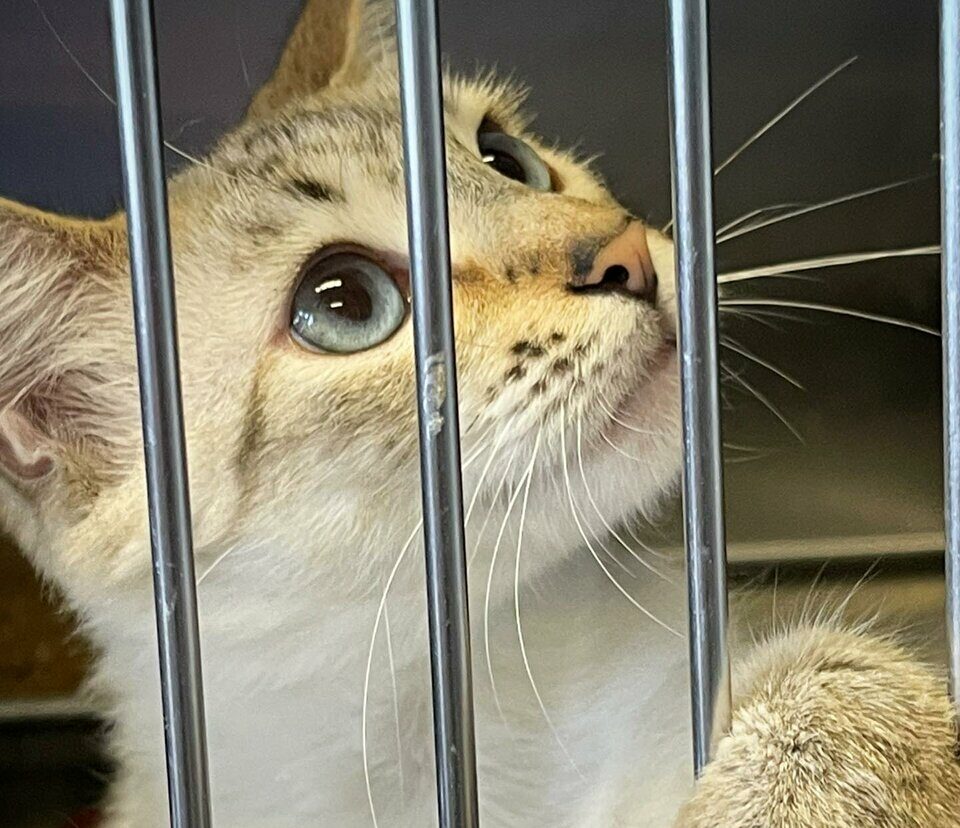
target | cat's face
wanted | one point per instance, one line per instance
(296, 347)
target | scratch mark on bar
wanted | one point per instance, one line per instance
(435, 392)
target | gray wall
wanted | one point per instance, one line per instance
(869, 416)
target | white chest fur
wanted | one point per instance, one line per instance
(286, 677)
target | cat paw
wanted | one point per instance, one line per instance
(833, 729)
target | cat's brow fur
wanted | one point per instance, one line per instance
(304, 483)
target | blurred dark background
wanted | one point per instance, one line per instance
(858, 470)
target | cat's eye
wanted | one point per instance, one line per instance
(514, 159)
(345, 303)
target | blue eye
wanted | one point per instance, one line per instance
(514, 159)
(345, 303)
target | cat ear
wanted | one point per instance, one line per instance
(25, 453)
(60, 295)
(334, 43)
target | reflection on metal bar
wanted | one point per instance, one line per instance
(950, 263)
(697, 307)
(425, 167)
(167, 492)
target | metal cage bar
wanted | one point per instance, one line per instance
(950, 311)
(697, 310)
(421, 96)
(151, 269)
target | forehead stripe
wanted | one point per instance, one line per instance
(315, 190)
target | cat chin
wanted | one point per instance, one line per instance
(637, 460)
(652, 406)
(571, 506)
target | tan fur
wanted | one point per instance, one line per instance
(63, 280)
(832, 729)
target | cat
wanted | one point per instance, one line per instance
(293, 297)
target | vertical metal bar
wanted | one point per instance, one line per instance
(171, 539)
(440, 474)
(950, 264)
(697, 308)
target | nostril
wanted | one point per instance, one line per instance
(621, 266)
(615, 275)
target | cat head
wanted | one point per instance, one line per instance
(295, 333)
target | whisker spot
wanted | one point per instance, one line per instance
(526, 348)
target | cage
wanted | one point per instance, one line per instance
(898, 516)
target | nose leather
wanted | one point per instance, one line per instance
(623, 265)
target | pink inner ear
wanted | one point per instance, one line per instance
(24, 452)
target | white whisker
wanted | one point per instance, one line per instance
(243, 61)
(486, 598)
(737, 348)
(741, 447)
(773, 603)
(868, 574)
(759, 211)
(70, 54)
(613, 558)
(813, 306)
(617, 448)
(113, 101)
(480, 446)
(822, 205)
(216, 562)
(777, 118)
(751, 458)
(760, 317)
(479, 486)
(396, 698)
(593, 552)
(190, 122)
(493, 501)
(805, 610)
(783, 114)
(762, 398)
(627, 426)
(366, 677)
(606, 551)
(784, 276)
(603, 520)
(645, 547)
(381, 609)
(788, 268)
(495, 445)
(516, 605)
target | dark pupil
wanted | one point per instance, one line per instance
(505, 164)
(345, 295)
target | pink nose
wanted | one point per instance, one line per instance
(624, 265)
